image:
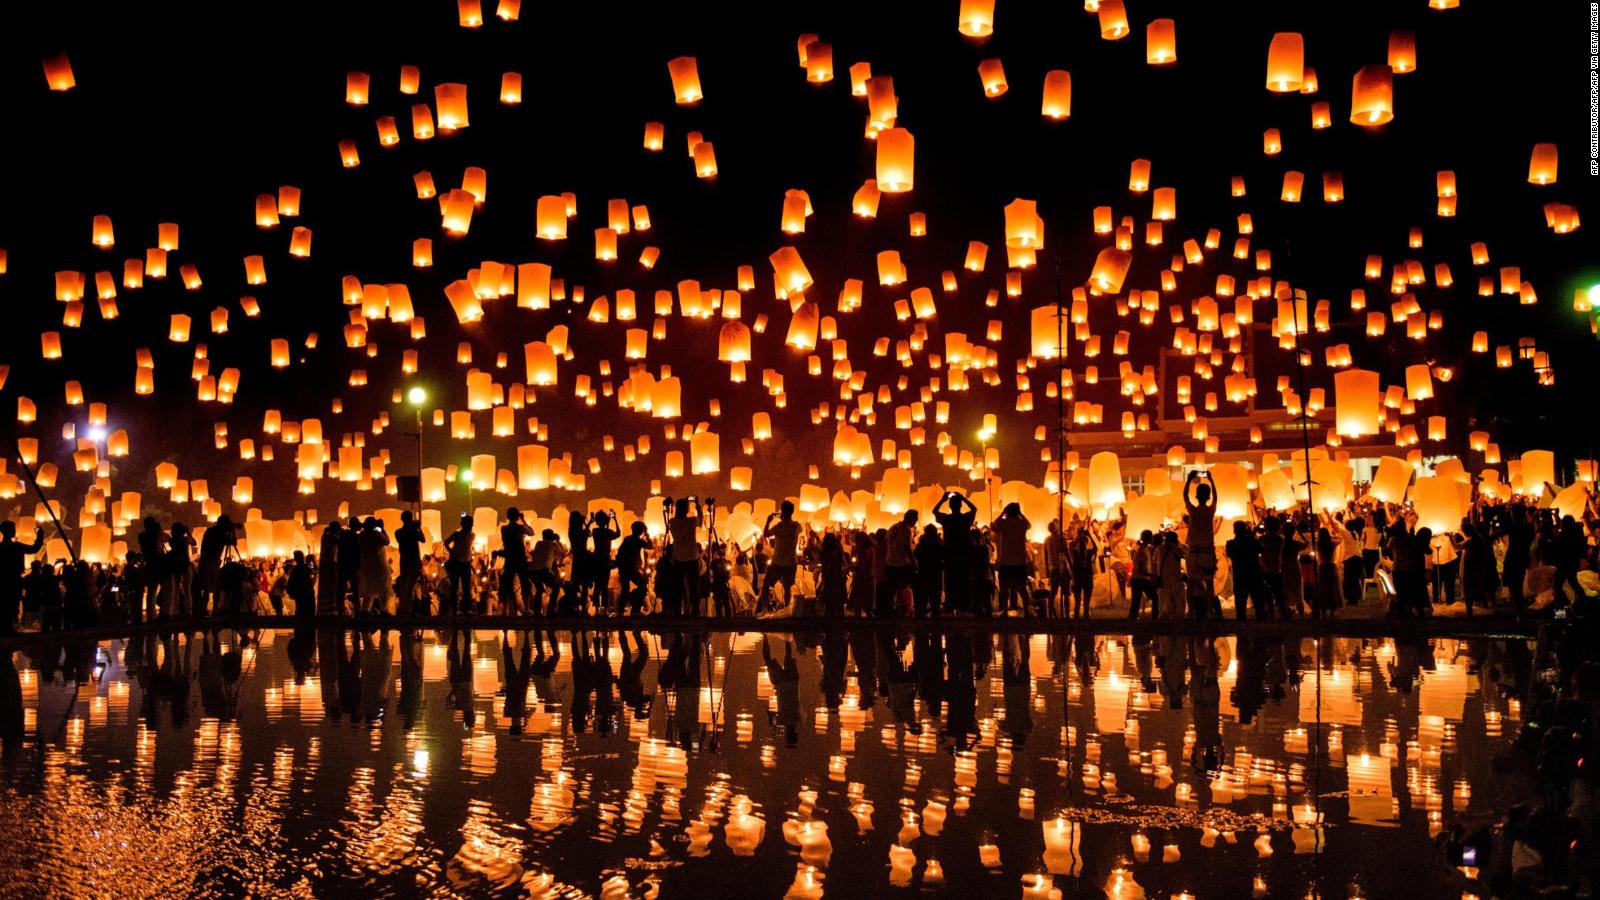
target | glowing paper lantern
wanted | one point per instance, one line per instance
(1356, 393)
(1372, 96)
(1161, 42)
(992, 75)
(1389, 482)
(1437, 502)
(451, 102)
(1419, 382)
(550, 218)
(1542, 165)
(685, 74)
(1105, 480)
(1286, 62)
(896, 153)
(1057, 103)
(1538, 469)
(1110, 268)
(58, 72)
(976, 18)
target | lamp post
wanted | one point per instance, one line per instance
(417, 396)
(984, 434)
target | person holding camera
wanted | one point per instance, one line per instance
(785, 537)
(683, 530)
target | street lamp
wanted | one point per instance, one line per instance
(417, 395)
(984, 434)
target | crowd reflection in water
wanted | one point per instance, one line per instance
(672, 687)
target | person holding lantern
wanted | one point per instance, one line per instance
(1200, 499)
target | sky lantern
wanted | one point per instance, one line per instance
(464, 300)
(450, 100)
(1110, 268)
(859, 73)
(1057, 103)
(1286, 62)
(685, 74)
(802, 334)
(605, 244)
(511, 88)
(666, 399)
(1356, 402)
(705, 451)
(705, 160)
(896, 151)
(58, 72)
(1024, 228)
(1390, 480)
(865, 201)
(1542, 165)
(1105, 480)
(891, 271)
(819, 62)
(789, 270)
(422, 127)
(355, 88)
(976, 18)
(1113, 20)
(1402, 52)
(1419, 382)
(992, 75)
(733, 342)
(349, 157)
(654, 136)
(883, 107)
(1161, 42)
(102, 235)
(1372, 96)
(550, 216)
(795, 205)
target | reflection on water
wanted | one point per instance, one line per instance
(863, 764)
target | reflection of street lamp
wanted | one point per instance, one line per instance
(417, 396)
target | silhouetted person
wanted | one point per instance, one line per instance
(515, 575)
(929, 589)
(955, 515)
(785, 680)
(785, 537)
(408, 539)
(631, 574)
(350, 563)
(12, 554)
(1012, 530)
(458, 564)
(328, 599)
(302, 585)
(604, 531)
(1244, 556)
(519, 668)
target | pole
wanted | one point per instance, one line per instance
(1061, 411)
(418, 501)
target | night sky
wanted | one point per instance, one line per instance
(184, 113)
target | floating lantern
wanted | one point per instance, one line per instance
(685, 74)
(1286, 58)
(1057, 103)
(451, 102)
(992, 75)
(58, 71)
(1542, 165)
(976, 18)
(1161, 42)
(1402, 52)
(1372, 96)
(896, 151)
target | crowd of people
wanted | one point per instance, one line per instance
(1277, 565)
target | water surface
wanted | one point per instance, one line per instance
(862, 764)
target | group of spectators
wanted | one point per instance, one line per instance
(1279, 565)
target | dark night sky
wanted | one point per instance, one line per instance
(184, 113)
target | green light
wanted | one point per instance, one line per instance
(417, 396)
(1594, 295)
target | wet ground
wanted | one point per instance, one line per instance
(863, 762)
